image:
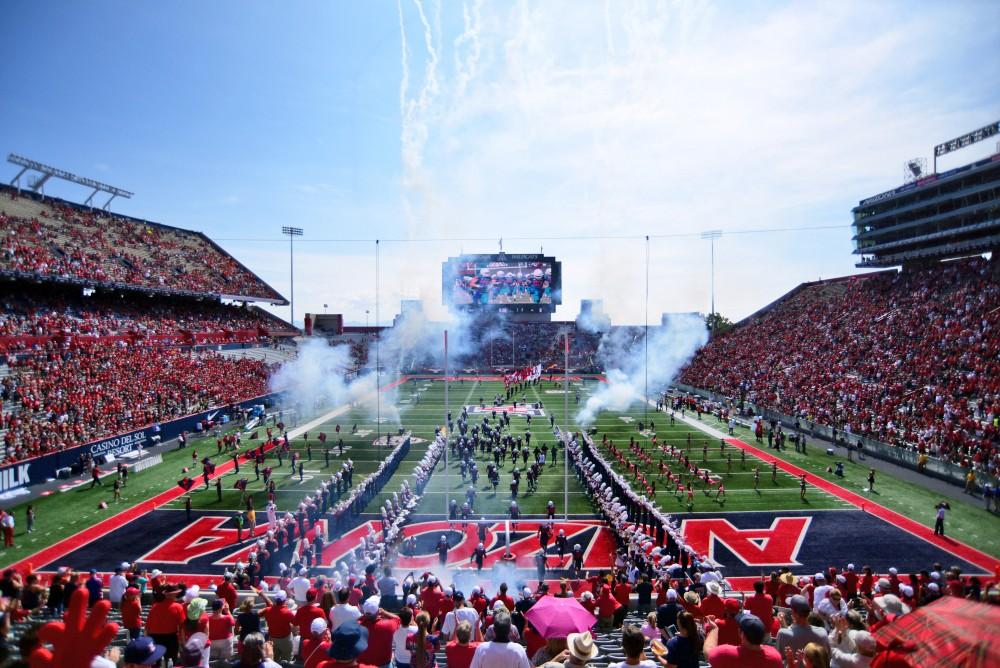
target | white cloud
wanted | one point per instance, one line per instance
(569, 119)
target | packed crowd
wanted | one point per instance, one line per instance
(59, 240)
(905, 358)
(53, 312)
(70, 397)
(647, 611)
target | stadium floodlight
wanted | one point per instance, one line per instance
(46, 172)
(292, 232)
(712, 235)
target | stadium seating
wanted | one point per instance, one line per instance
(905, 358)
(52, 239)
(44, 317)
(67, 398)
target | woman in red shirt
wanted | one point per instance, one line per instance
(132, 613)
(220, 630)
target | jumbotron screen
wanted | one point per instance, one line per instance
(515, 282)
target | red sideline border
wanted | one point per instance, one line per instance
(82, 538)
(959, 549)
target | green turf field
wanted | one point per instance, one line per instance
(421, 408)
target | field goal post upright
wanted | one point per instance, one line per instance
(565, 427)
(447, 435)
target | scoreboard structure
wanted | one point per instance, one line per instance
(504, 282)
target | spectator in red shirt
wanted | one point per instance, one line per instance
(712, 604)
(279, 625)
(166, 616)
(459, 652)
(227, 591)
(306, 613)
(750, 653)
(762, 606)
(508, 602)
(729, 629)
(623, 590)
(132, 613)
(220, 631)
(607, 605)
(381, 626)
(314, 647)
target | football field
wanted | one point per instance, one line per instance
(749, 531)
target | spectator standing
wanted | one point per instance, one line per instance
(940, 509)
(95, 588)
(164, 621)
(459, 652)
(279, 624)
(132, 613)
(750, 653)
(314, 647)
(381, 626)
(220, 631)
(800, 633)
(406, 628)
(343, 611)
(116, 588)
(500, 652)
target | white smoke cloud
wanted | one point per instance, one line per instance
(629, 372)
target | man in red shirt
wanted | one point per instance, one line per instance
(381, 625)
(279, 625)
(761, 605)
(227, 591)
(459, 652)
(750, 653)
(165, 619)
(623, 591)
(431, 598)
(132, 613)
(305, 614)
(315, 646)
(712, 604)
(502, 596)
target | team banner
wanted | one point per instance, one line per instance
(525, 375)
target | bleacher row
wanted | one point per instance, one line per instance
(58, 240)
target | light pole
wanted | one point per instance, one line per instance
(292, 232)
(712, 235)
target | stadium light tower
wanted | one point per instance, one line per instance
(712, 235)
(292, 232)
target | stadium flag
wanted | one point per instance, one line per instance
(322, 437)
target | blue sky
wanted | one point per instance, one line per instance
(469, 120)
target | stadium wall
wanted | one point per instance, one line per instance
(36, 470)
(937, 468)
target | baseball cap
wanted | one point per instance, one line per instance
(799, 604)
(144, 651)
(317, 626)
(280, 595)
(752, 628)
(370, 606)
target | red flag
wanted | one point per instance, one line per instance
(322, 437)
(253, 436)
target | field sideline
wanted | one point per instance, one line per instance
(420, 404)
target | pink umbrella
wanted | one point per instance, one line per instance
(558, 617)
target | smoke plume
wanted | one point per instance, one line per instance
(623, 355)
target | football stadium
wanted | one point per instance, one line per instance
(485, 456)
